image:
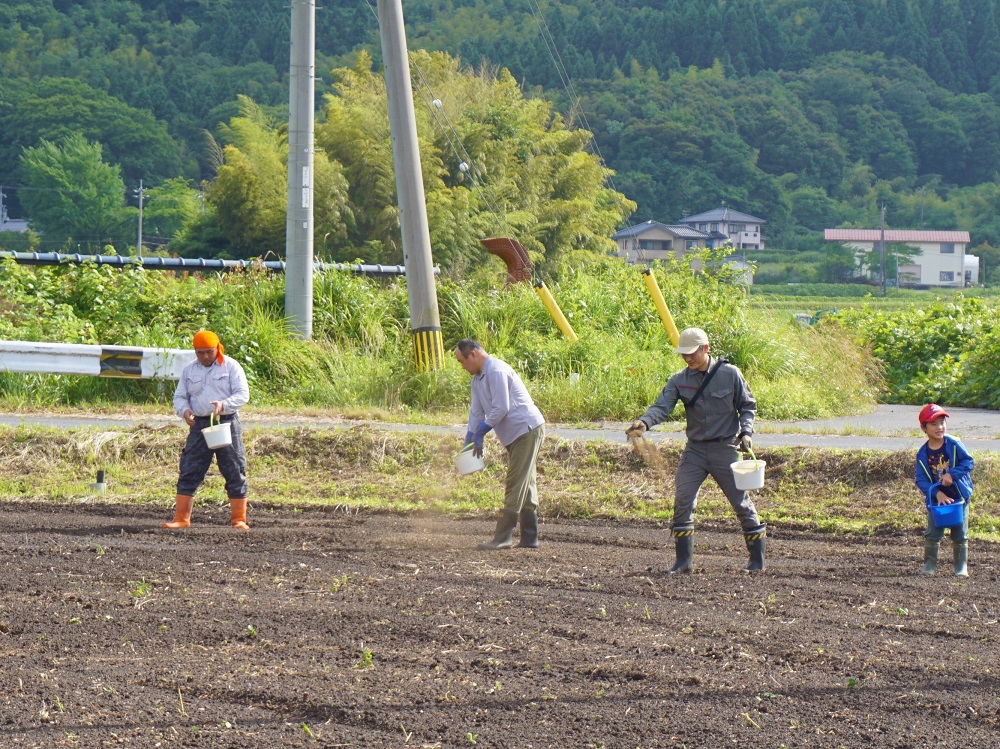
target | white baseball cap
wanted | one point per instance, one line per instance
(691, 339)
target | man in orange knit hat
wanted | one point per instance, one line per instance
(214, 385)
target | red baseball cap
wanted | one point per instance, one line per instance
(930, 412)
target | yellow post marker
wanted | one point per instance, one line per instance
(550, 304)
(661, 306)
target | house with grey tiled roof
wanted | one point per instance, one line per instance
(652, 240)
(725, 224)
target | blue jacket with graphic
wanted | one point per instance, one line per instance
(960, 469)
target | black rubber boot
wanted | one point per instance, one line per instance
(930, 557)
(684, 546)
(529, 530)
(504, 536)
(961, 550)
(755, 545)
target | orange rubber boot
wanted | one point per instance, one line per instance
(238, 514)
(182, 515)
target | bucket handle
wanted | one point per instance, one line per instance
(932, 495)
(753, 457)
(213, 420)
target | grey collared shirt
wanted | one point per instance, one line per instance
(725, 409)
(500, 398)
(199, 385)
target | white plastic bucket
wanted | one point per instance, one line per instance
(217, 436)
(467, 463)
(749, 474)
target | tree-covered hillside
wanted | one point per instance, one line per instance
(809, 114)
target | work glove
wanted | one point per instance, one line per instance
(477, 438)
(744, 443)
(637, 429)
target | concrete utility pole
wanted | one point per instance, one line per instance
(141, 194)
(882, 246)
(299, 219)
(425, 323)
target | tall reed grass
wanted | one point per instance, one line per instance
(361, 356)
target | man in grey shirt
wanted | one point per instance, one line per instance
(213, 386)
(720, 411)
(501, 404)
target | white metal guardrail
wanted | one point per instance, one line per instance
(96, 361)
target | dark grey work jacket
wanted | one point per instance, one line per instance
(725, 409)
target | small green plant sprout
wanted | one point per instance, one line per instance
(602, 613)
(646, 615)
(139, 588)
(407, 735)
(496, 688)
(308, 731)
(470, 737)
(75, 620)
(365, 660)
(852, 683)
(99, 550)
(251, 631)
(338, 583)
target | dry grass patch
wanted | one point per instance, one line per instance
(376, 469)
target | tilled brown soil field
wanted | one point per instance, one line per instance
(333, 630)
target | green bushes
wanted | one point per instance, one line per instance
(361, 355)
(945, 351)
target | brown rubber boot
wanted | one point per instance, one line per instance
(238, 513)
(182, 514)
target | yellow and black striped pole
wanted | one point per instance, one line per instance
(428, 349)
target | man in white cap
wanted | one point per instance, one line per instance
(720, 411)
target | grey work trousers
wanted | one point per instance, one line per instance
(521, 490)
(699, 460)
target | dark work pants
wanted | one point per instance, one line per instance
(699, 461)
(196, 459)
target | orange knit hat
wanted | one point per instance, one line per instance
(208, 339)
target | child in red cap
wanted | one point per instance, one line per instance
(944, 469)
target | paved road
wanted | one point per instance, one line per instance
(887, 428)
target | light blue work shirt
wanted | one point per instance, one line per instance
(501, 400)
(200, 385)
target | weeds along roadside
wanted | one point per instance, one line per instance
(367, 469)
(361, 355)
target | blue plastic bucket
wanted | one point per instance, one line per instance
(944, 516)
